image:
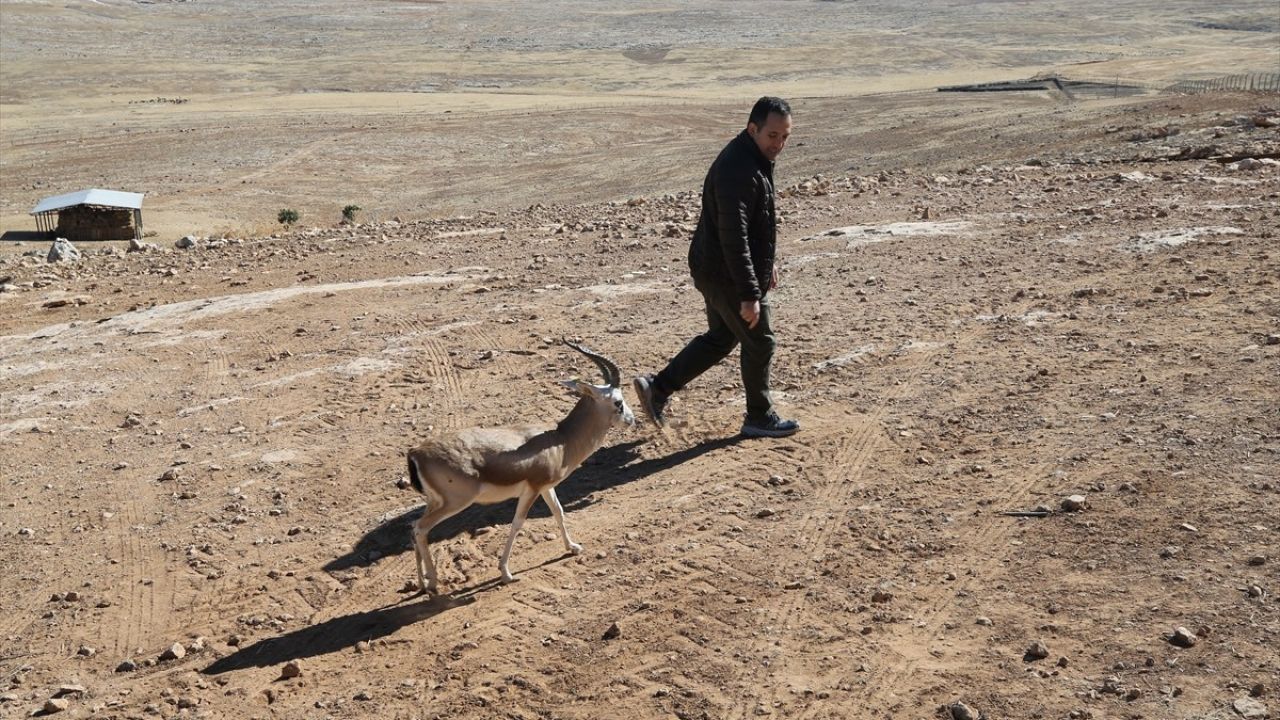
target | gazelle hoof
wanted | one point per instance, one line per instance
(507, 578)
(575, 549)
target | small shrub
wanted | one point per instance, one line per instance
(287, 217)
(349, 213)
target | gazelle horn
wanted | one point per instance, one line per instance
(612, 376)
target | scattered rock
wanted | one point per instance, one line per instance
(1036, 651)
(363, 695)
(983, 620)
(175, 652)
(613, 632)
(127, 665)
(54, 705)
(765, 512)
(1250, 709)
(1257, 560)
(960, 711)
(63, 302)
(86, 651)
(1253, 164)
(65, 690)
(1183, 638)
(62, 251)
(1074, 503)
(291, 669)
(186, 242)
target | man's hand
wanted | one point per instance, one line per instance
(750, 312)
(773, 281)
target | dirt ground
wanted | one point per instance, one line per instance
(988, 305)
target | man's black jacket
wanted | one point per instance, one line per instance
(733, 248)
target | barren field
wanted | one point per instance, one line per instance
(224, 113)
(1033, 341)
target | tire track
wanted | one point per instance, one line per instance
(843, 456)
(984, 550)
(143, 614)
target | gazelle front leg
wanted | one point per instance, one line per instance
(553, 502)
(522, 511)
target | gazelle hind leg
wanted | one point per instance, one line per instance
(553, 502)
(522, 511)
(428, 579)
(426, 566)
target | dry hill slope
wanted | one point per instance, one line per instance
(202, 447)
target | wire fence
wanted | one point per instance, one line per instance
(1245, 82)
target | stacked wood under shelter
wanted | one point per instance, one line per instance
(91, 215)
(89, 222)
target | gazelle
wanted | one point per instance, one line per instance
(489, 465)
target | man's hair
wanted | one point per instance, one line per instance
(764, 106)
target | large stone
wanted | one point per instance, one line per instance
(62, 251)
(1036, 651)
(1183, 638)
(175, 652)
(1074, 503)
(1250, 709)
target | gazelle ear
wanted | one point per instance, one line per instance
(576, 387)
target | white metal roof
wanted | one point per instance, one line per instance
(94, 196)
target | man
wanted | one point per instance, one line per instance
(732, 262)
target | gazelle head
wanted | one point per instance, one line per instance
(608, 396)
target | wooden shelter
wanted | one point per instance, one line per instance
(91, 215)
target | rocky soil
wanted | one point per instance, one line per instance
(1038, 475)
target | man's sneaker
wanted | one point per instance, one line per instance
(772, 426)
(651, 400)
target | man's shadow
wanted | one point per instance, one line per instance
(607, 468)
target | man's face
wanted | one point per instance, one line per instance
(772, 136)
